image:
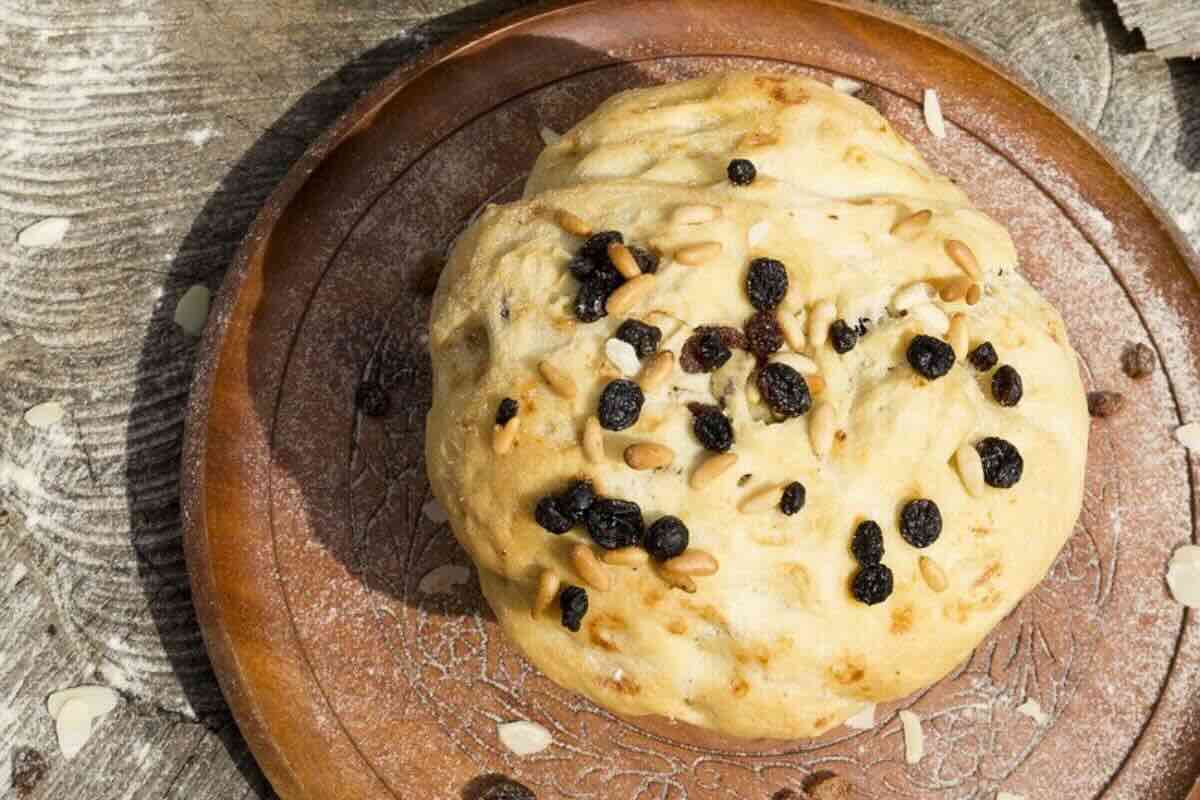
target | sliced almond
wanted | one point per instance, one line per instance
(98, 699)
(630, 293)
(696, 254)
(934, 577)
(656, 370)
(73, 727)
(692, 562)
(192, 310)
(589, 568)
(648, 455)
(547, 590)
(761, 500)
(695, 214)
(562, 383)
(864, 720)
(623, 260)
(712, 468)
(571, 223)
(1183, 577)
(962, 255)
(623, 356)
(593, 440)
(914, 737)
(911, 226)
(44, 415)
(524, 737)
(625, 557)
(505, 436)
(932, 108)
(1189, 436)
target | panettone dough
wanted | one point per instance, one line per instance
(773, 644)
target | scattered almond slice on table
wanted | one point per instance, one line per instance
(524, 737)
(45, 415)
(1033, 710)
(1189, 435)
(1183, 576)
(864, 720)
(75, 712)
(933, 115)
(914, 737)
(192, 311)
(44, 233)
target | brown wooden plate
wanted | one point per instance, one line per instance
(307, 542)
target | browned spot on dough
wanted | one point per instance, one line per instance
(789, 95)
(840, 436)
(626, 685)
(652, 598)
(710, 614)
(820, 723)
(980, 530)
(739, 687)
(956, 612)
(677, 627)
(990, 572)
(601, 629)
(902, 620)
(856, 155)
(759, 653)
(763, 81)
(848, 670)
(757, 139)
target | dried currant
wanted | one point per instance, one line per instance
(550, 514)
(1002, 462)
(741, 172)
(1138, 360)
(595, 249)
(573, 600)
(576, 500)
(620, 404)
(784, 390)
(372, 400)
(930, 357)
(591, 302)
(872, 584)
(644, 338)
(763, 334)
(983, 357)
(615, 523)
(714, 430)
(794, 495)
(920, 522)
(867, 543)
(766, 283)
(666, 538)
(1006, 386)
(704, 351)
(507, 410)
(842, 336)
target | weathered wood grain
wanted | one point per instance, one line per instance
(157, 128)
(1171, 27)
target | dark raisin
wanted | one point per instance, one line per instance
(591, 302)
(872, 584)
(714, 430)
(794, 495)
(647, 260)
(577, 499)
(1138, 360)
(29, 767)
(581, 267)
(615, 523)
(666, 538)
(507, 410)
(702, 408)
(1002, 462)
(920, 522)
(620, 404)
(766, 283)
(550, 514)
(573, 601)
(842, 336)
(763, 334)
(1006, 386)
(931, 358)
(784, 390)
(741, 172)
(508, 789)
(862, 327)
(983, 357)
(372, 400)
(867, 543)
(595, 249)
(704, 352)
(644, 338)
(1104, 404)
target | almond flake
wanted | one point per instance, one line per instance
(914, 737)
(100, 699)
(1183, 576)
(524, 737)
(443, 579)
(933, 115)
(44, 415)
(1033, 710)
(622, 356)
(1189, 436)
(192, 310)
(44, 233)
(847, 85)
(75, 712)
(864, 720)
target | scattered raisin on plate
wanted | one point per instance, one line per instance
(550, 514)
(920, 522)
(930, 357)
(766, 283)
(983, 357)
(620, 404)
(784, 390)
(576, 500)
(794, 496)
(372, 400)
(1002, 462)
(763, 334)
(666, 538)
(741, 172)
(1138, 360)
(615, 523)
(1104, 404)
(507, 410)
(704, 351)
(842, 337)
(713, 429)
(573, 601)
(1007, 387)
(872, 584)
(867, 543)
(644, 338)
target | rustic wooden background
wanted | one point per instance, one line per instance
(157, 128)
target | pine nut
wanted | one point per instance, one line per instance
(973, 294)
(793, 331)
(802, 364)
(712, 468)
(692, 562)
(762, 500)
(624, 261)
(647, 455)
(630, 293)
(571, 223)
(559, 381)
(593, 441)
(547, 590)
(816, 384)
(912, 225)
(694, 215)
(958, 335)
(822, 316)
(820, 429)
(932, 573)
(970, 469)
(678, 580)
(504, 436)
(956, 289)
(961, 255)
(625, 557)
(589, 568)
(656, 370)
(695, 254)
(933, 320)
(914, 294)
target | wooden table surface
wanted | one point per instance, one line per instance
(157, 128)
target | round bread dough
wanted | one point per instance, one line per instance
(774, 644)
